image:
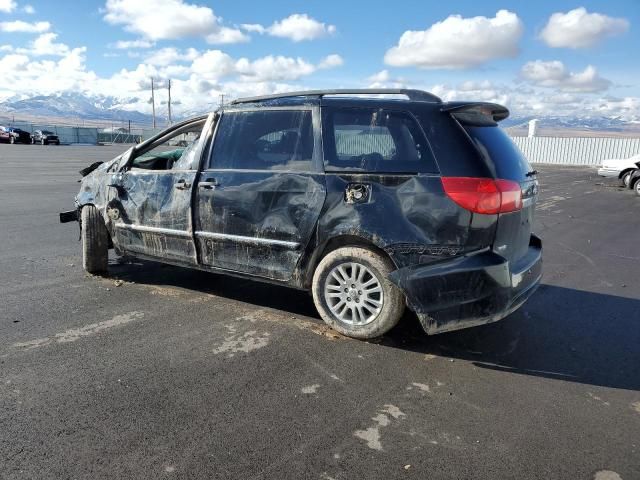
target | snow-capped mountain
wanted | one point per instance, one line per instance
(75, 106)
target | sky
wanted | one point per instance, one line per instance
(563, 58)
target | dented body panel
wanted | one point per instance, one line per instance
(456, 268)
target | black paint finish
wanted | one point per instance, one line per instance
(456, 268)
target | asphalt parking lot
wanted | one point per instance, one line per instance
(162, 372)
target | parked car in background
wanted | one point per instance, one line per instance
(619, 168)
(18, 135)
(45, 137)
(369, 204)
(4, 135)
(634, 179)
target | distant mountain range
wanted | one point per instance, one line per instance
(71, 107)
(74, 106)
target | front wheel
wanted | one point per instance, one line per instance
(624, 179)
(95, 241)
(43, 142)
(637, 187)
(12, 140)
(353, 294)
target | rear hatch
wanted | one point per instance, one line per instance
(513, 232)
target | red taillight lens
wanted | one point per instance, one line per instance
(484, 195)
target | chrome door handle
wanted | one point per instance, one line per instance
(182, 185)
(208, 184)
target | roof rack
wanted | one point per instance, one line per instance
(416, 95)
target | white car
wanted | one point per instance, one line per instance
(619, 168)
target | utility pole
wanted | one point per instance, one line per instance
(153, 103)
(221, 100)
(169, 103)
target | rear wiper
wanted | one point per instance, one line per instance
(532, 173)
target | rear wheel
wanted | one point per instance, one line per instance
(95, 241)
(353, 294)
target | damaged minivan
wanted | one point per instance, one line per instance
(369, 202)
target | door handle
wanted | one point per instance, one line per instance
(208, 184)
(182, 185)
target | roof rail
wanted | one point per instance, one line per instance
(417, 95)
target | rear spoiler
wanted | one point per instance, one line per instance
(476, 113)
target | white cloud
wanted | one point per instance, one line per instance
(253, 28)
(169, 19)
(45, 45)
(331, 61)
(169, 55)
(28, 9)
(7, 6)
(225, 35)
(297, 27)
(580, 29)
(458, 42)
(131, 44)
(24, 27)
(554, 74)
(272, 68)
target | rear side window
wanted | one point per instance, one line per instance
(264, 140)
(374, 140)
(500, 152)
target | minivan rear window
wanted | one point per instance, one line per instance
(500, 152)
(374, 140)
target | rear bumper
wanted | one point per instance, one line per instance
(608, 172)
(471, 290)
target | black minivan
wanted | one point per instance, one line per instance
(370, 203)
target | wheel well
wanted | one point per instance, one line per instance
(338, 242)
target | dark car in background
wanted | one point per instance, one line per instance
(45, 137)
(14, 135)
(634, 179)
(369, 204)
(17, 135)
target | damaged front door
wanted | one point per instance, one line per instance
(259, 198)
(151, 210)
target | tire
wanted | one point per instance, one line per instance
(33, 141)
(43, 142)
(360, 317)
(636, 187)
(95, 241)
(624, 179)
(12, 140)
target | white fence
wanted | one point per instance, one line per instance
(576, 151)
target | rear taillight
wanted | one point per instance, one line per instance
(484, 195)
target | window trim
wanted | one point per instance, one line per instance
(166, 134)
(316, 160)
